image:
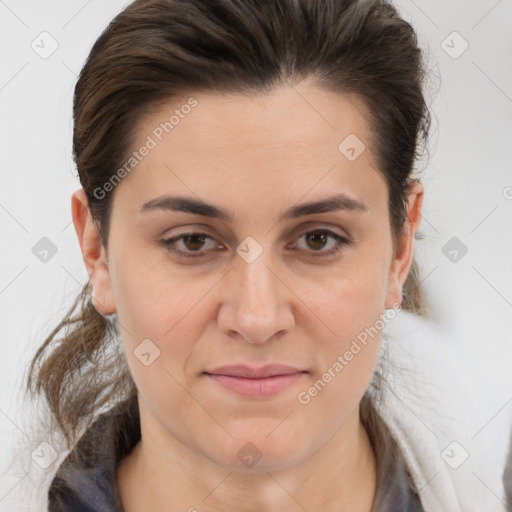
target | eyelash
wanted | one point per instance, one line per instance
(342, 242)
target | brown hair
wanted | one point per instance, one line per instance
(157, 49)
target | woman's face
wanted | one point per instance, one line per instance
(263, 279)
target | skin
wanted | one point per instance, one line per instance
(291, 305)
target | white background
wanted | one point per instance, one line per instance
(466, 184)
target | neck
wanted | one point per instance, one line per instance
(341, 475)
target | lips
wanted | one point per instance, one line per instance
(250, 382)
(248, 372)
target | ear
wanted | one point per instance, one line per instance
(402, 260)
(93, 253)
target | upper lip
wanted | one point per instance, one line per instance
(269, 370)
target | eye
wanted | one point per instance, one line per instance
(192, 243)
(318, 239)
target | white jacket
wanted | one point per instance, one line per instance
(442, 409)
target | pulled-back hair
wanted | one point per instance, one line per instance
(155, 50)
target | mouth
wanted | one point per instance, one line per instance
(255, 382)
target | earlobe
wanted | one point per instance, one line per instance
(402, 261)
(93, 253)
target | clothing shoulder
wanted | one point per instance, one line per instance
(438, 408)
(86, 479)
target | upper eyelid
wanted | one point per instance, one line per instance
(295, 232)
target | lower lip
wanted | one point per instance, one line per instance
(267, 386)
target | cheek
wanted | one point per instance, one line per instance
(346, 354)
(348, 299)
(160, 316)
(154, 298)
(350, 311)
(167, 307)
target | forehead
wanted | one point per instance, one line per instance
(264, 147)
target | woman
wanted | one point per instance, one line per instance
(247, 220)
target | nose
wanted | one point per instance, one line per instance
(257, 304)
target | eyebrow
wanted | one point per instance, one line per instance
(190, 205)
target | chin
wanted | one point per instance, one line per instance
(261, 455)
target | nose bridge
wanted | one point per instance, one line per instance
(257, 286)
(258, 304)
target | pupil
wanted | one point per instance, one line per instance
(194, 237)
(318, 237)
